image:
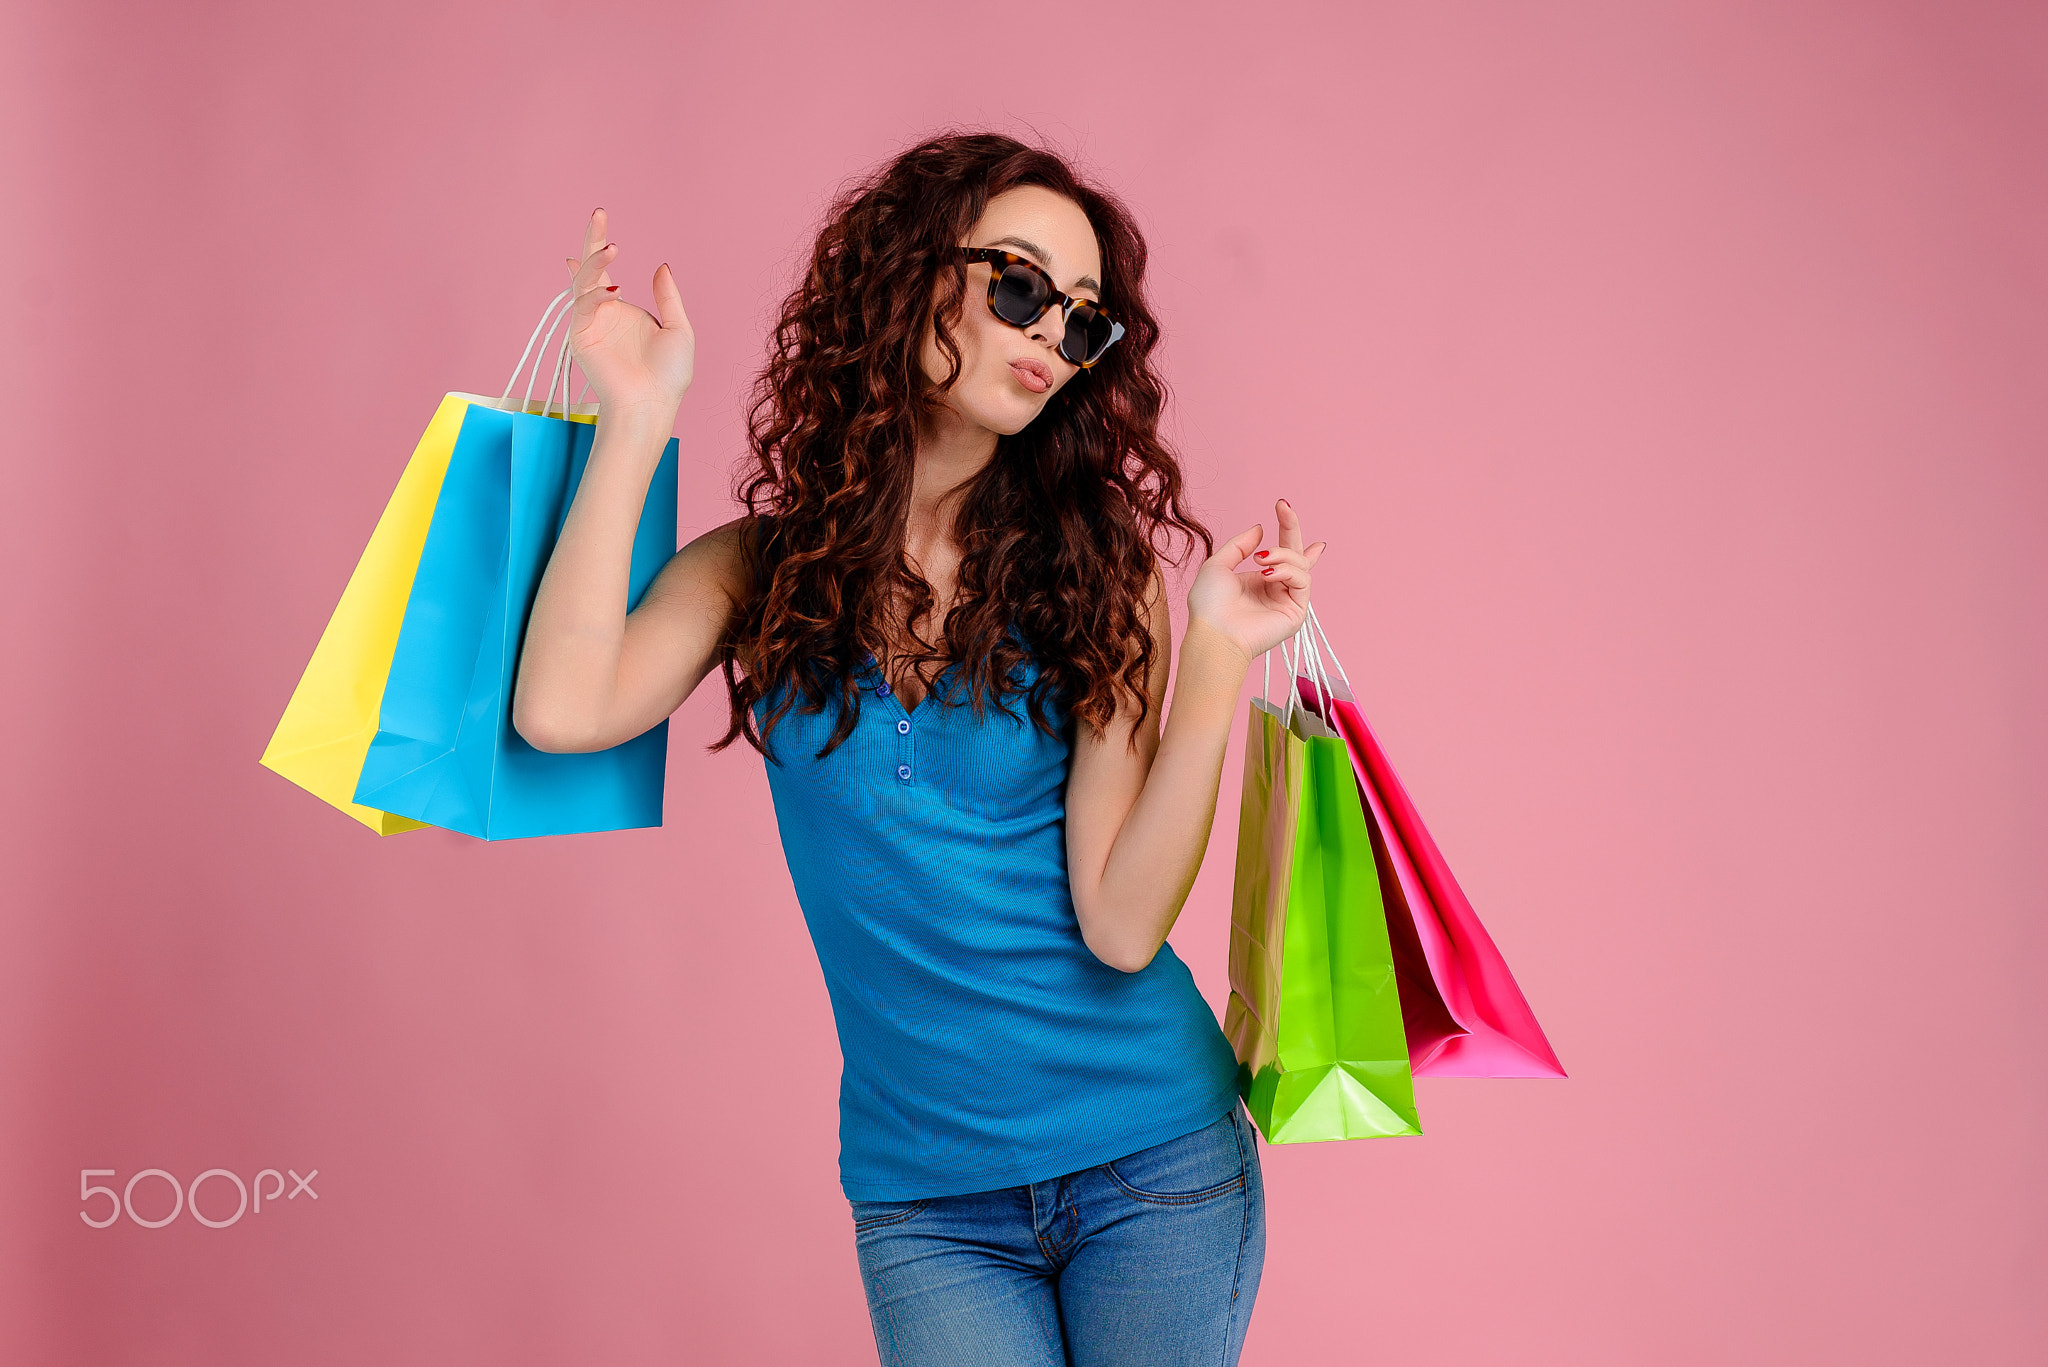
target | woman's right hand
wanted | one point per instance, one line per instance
(634, 361)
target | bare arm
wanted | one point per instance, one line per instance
(1138, 820)
(592, 676)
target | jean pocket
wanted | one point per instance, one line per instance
(1198, 1166)
(869, 1215)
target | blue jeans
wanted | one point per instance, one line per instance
(1149, 1259)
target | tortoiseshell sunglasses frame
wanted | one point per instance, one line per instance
(1054, 295)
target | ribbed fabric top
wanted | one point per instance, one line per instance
(983, 1044)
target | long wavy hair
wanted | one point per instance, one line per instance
(1059, 533)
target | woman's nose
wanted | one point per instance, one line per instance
(1047, 330)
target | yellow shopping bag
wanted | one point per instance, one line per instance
(326, 729)
(321, 740)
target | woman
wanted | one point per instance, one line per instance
(942, 620)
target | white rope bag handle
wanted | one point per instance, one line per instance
(560, 373)
(1291, 661)
(1301, 656)
(1315, 622)
(1312, 662)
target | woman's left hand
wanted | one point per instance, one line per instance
(1259, 610)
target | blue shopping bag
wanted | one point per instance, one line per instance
(445, 751)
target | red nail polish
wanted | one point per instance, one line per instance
(1288, 504)
(1262, 555)
(608, 289)
(1267, 570)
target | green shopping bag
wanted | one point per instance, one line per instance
(1314, 1012)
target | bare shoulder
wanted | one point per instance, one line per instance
(1159, 618)
(705, 575)
(1155, 600)
(1124, 733)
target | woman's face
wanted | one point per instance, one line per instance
(1008, 374)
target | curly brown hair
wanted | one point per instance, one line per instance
(1059, 533)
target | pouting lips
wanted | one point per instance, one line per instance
(1035, 376)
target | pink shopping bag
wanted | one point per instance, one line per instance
(1464, 1013)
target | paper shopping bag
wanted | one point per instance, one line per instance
(445, 751)
(326, 729)
(1468, 1017)
(1314, 1011)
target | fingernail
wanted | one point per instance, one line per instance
(1267, 570)
(608, 289)
(1264, 554)
(1288, 504)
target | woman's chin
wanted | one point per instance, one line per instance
(1002, 407)
(1011, 413)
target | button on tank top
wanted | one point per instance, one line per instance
(983, 1044)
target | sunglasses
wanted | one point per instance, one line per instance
(1019, 293)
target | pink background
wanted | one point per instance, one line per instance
(1669, 386)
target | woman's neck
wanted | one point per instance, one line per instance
(950, 452)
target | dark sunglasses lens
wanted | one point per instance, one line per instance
(1020, 295)
(1087, 335)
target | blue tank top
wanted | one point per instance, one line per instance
(982, 1043)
